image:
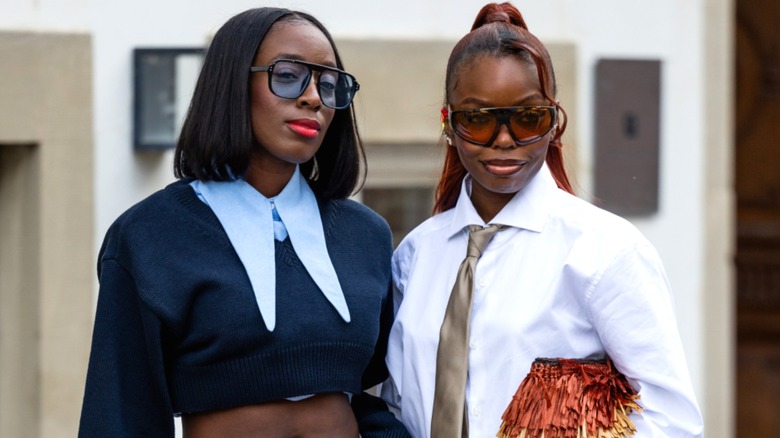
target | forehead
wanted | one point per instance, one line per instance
(298, 39)
(499, 81)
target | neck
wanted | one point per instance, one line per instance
(268, 180)
(488, 204)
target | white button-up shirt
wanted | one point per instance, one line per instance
(566, 280)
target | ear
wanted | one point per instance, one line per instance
(445, 125)
(556, 130)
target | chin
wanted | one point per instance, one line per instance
(506, 190)
(503, 186)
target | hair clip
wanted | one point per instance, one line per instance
(444, 115)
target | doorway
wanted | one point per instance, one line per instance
(757, 179)
(19, 290)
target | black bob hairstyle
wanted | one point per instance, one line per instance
(216, 139)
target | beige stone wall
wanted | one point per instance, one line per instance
(46, 229)
(718, 304)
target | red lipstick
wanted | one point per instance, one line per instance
(304, 127)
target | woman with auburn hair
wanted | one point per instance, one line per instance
(250, 297)
(560, 321)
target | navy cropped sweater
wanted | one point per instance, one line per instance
(178, 329)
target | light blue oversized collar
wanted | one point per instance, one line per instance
(246, 216)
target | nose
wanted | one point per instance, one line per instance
(504, 139)
(311, 95)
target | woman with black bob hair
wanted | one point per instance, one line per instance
(216, 137)
(250, 297)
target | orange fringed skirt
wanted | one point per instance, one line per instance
(571, 398)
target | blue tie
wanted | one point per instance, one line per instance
(280, 232)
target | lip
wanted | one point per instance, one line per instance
(504, 167)
(304, 127)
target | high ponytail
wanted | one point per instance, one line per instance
(500, 30)
(499, 13)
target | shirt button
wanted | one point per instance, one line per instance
(473, 345)
(476, 411)
(483, 282)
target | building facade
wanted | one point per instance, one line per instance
(68, 167)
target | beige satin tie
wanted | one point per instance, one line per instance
(449, 418)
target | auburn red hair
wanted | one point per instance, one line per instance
(500, 30)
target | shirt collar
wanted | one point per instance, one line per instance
(528, 209)
(246, 217)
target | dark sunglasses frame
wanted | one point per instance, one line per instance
(503, 117)
(312, 67)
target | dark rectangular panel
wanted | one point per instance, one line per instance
(158, 106)
(627, 96)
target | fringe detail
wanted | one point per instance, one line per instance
(571, 398)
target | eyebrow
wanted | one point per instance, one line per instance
(521, 102)
(297, 57)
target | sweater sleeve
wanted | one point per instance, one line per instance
(373, 417)
(126, 394)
